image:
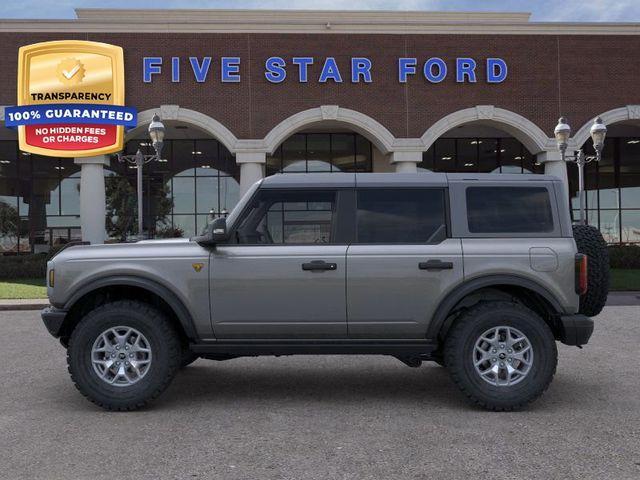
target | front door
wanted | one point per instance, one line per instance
(401, 263)
(284, 274)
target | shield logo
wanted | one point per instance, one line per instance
(77, 78)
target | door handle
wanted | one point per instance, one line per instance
(319, 266)
(435, 265)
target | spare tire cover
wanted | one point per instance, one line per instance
(590, 242)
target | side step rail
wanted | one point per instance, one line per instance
(417, 348)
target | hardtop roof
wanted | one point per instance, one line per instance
(420, 179)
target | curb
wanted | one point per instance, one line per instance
(35, 304)
(623, 298)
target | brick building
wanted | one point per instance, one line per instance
(251, 93)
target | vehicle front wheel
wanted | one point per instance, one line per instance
(502, 355)
(123, 354)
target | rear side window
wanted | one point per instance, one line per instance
(509, 210)
(401, 215)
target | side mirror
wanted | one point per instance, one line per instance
(216, 233)
(219, 230)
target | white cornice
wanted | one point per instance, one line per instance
(297, 16)
(322, 21)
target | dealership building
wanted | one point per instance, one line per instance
(247, 94)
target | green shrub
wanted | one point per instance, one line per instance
(23, 266)
(624, 256)
(34, 265)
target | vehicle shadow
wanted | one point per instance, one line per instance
(355, 383)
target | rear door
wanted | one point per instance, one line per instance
(284, 277)
(402, 262)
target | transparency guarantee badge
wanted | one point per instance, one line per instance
(71, 99)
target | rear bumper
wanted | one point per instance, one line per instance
(53, 319)
(575, 329)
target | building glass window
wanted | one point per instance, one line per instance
(198, 179)
(195, 181)
(322, 152)
(612, 188)
(483, 155)
(467, 154)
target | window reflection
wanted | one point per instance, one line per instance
(196, 181)
(484, 155)
(612, 189)
(321, 152)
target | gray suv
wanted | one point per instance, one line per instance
(480, 273)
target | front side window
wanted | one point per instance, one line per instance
(288, 217)
(509, 210)
(401, 215)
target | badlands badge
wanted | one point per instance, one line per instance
(70, 99)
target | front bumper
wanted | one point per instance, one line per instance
(53, 319)
(575, 329)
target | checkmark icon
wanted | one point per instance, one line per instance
(71, 73)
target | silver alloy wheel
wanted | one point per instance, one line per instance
(121, 356)
(503, 356)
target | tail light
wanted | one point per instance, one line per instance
(582, 281)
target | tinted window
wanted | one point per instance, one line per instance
(401, 215)
(509, 210)
(280, 217)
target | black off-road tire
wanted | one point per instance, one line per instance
(460, 343)
(438, 358)
(165, 347)
(590, 242)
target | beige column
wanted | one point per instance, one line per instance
(406, 162)
(553, 165)
(92, 198)
(251, 168)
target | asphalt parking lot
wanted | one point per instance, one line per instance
(335, 417)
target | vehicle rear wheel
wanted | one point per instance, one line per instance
(123, 354)
(589, 241)
(501, 355)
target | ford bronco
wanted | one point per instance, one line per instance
(481, 273)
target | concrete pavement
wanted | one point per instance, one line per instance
(336, 417)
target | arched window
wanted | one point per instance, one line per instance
(322, 152)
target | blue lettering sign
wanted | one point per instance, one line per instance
(465, 67)
(330, 71)
(275, 69)
(175, 69)
(303, 65)
(200, 71)
(428, 70)
(406, 66)
(360, 67)
(496, 70)
(151, 66)
(230, 69)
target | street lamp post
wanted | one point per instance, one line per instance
(562, 133)
(156, 133)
